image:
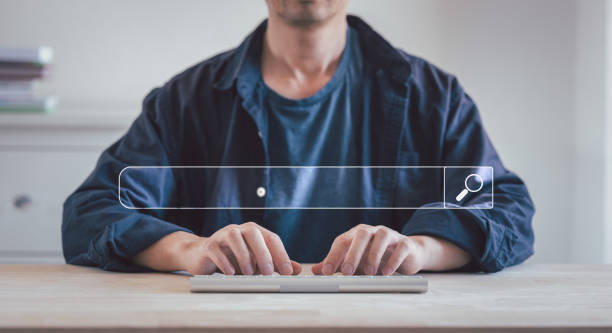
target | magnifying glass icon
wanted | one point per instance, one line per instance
(467, 188)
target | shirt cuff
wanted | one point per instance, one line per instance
(121, 241)
(458, 227)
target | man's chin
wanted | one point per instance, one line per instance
(305, 13)
(306, 19)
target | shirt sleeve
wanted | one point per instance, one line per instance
(495, 238)
(97, 230)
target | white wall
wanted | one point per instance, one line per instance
(517, 58)
(110, 53)
(608, 134)
(589, 133)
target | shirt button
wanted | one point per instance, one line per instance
(261, 192)
(259, 134)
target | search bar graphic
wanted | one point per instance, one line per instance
(306, 187)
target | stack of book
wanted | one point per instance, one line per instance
(20, 70)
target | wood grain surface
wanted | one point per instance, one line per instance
(523, 298)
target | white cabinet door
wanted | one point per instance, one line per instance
(33, 187)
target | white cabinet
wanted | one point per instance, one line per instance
(41, 163)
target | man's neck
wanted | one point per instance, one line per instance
(299, 60)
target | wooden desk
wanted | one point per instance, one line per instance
(546, 297)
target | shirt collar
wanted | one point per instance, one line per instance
(378, 51)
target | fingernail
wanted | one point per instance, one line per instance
(327, 269)
(268, 269)
(386, 271)
(369, 270)
(286, 268)
(347, 269)
(248, 270)
(230, 271)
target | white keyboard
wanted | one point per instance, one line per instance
(219, 283)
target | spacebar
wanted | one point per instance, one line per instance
(308, 288)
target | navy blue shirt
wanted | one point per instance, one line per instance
(405, 112)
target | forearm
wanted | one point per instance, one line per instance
(440, 255)
(170, 253)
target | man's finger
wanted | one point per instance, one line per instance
(221, 260)
(316, 268)
(402, 250)
(257, 244)
(297, 268)
(358, 245)
(379, 244)
(240, 250)
(330, 264)
(279, 254)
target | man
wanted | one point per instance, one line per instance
(309, 87)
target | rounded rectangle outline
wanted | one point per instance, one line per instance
(444, 207)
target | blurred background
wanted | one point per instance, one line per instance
(539, 70)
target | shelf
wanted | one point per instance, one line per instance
(102, 120)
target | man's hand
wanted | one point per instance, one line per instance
(371, 250)
(235, 249)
